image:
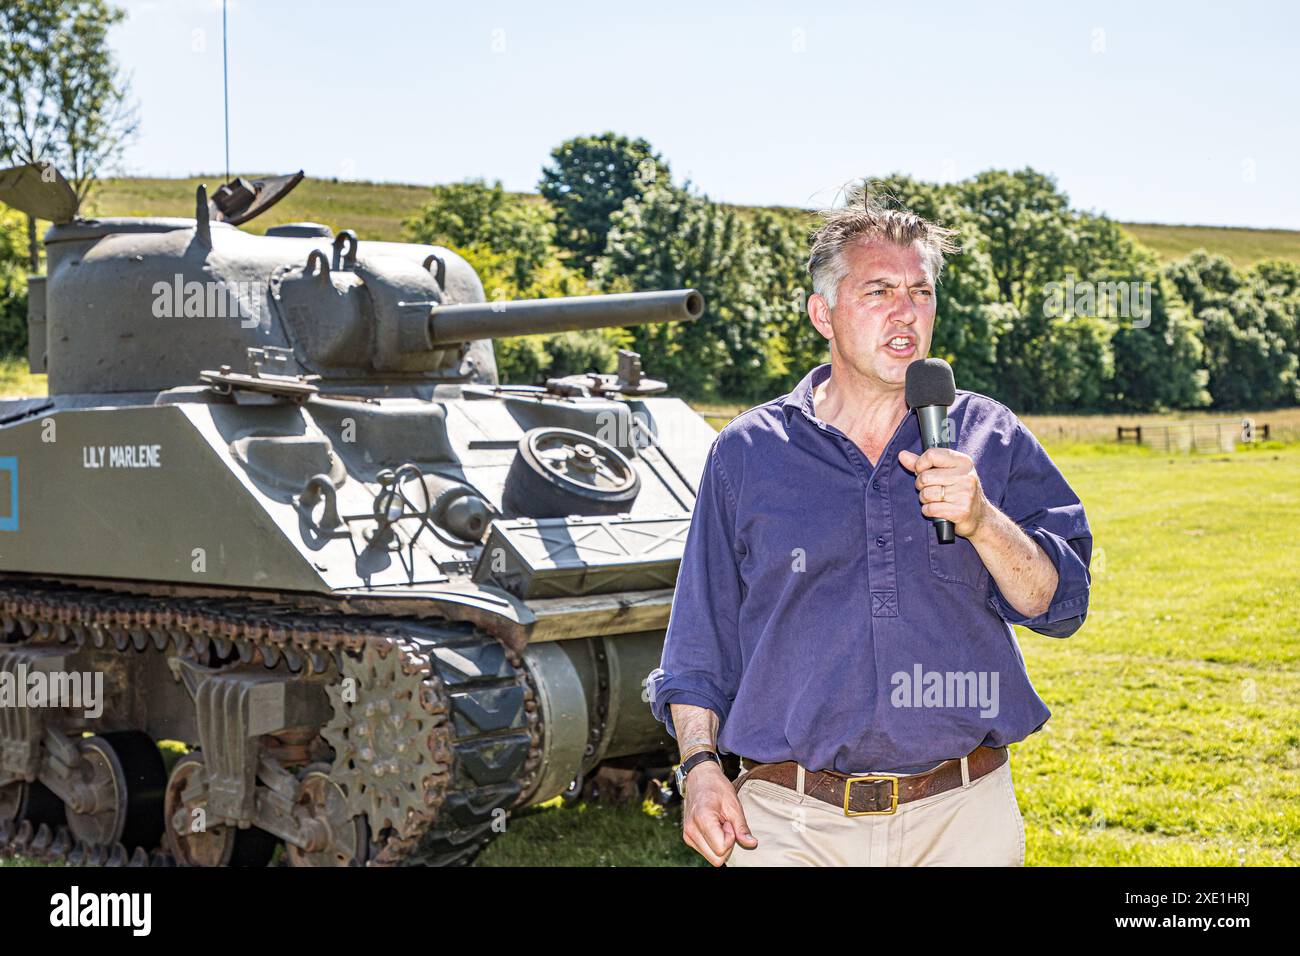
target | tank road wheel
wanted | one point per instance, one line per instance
(559, 471)
(341, 837)
(30, 801)
(122, 784)
(209, 844)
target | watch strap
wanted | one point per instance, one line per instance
(695, 759)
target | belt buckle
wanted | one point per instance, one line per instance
(893, 796)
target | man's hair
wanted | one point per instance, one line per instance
(863, 217)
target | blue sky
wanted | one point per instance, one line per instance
(1151, 112)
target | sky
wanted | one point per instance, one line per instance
(1179, 112)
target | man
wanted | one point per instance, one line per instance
(867, 674)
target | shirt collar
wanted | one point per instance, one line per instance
(801, 396)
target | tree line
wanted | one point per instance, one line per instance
(1046, 308)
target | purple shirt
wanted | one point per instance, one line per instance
(819, 617)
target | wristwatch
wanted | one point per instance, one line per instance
(689, 764)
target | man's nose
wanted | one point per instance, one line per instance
(904, 311)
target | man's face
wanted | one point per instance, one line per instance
(883, 318)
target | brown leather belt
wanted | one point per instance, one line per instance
(874, 794)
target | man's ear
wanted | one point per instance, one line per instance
(820, 313)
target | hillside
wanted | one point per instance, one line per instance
(1244, 247)
(372, 210)
(376, 211)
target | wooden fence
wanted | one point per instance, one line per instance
(1193, 434)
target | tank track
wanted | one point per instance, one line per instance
(479, 707)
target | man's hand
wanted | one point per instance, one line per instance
(949, 488)
(713, 821)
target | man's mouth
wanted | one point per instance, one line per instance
(901, 345)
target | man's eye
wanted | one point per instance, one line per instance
(925, 292)
(877, 292)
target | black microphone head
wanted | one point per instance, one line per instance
(930, 382)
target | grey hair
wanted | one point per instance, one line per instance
(863, 217)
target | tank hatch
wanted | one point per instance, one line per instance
(301, 230)
(242, 199)
(39, 190)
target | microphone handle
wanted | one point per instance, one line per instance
(932, 419)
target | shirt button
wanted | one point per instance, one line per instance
(875, 486)
(880, 542)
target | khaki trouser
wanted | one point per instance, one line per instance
(975, 825)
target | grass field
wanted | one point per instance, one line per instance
(1175, 735)
(1175, 730)
(376, 211)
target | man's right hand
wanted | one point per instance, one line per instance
(712, 820)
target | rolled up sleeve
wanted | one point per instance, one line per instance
(1043, 504)
(701, 660)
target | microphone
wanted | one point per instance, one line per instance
(929, 391)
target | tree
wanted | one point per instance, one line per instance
(1247, 334)
(1159, 360)
(794, 345)
(1031, 238)
(473, 214)
(63, 100)
(509, 240)
(13, 283)
(1024, 222)
(93, 97)
(1278, 283)
(28, 119)
(672, 238)
(588, 180)
(27, 115)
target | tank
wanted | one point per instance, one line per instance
(279, 516)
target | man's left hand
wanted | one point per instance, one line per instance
(949, 487)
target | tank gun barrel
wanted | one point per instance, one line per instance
(489, 320)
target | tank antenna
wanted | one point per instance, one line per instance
(225, 85)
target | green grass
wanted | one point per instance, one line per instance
(592, 834)
(376, 211)
(1175, 736)
(16, 381)
(1175, 730)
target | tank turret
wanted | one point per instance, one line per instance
(342, 309)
